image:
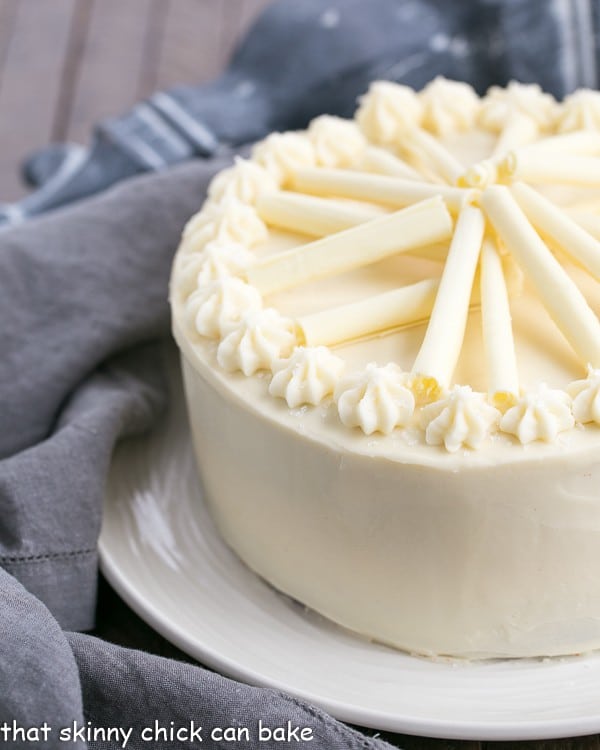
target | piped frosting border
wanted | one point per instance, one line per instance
(223, 285)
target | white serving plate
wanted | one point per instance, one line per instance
(161, 552)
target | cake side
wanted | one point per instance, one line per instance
(390, 345)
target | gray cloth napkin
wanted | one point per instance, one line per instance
(83, 301)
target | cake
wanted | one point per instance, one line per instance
(390, 346)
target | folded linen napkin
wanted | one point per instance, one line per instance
(83, 303)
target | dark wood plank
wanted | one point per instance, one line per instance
(108, 82)
(192, 43)
(31, 73)
(8, 14)
(153, 45)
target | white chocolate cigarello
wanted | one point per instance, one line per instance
(588, 221)
(307, 214)
(380, 161)
(389, 191)
(519, 130)
(560, 295)
(440, 350)
(320, 217)
(538, 167)
(422, 224)
(421, 144)
(581, 142)
(399, 307)
(554, 223)
(498, 339)
(480, 175)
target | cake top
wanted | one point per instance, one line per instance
(437, 209)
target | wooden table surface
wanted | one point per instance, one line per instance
(64, 64)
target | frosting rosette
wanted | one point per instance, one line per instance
(228, 221)
(282, 153)
(540, 414)
(256, 342)
(216, 261)
(337, 142)
(245, 180)
(386, 110)
(378, 399)
(213, 309)
(448, 106)
(462, 417)
(580, 111)
(500, 104)
(307, 377)
(586, 397)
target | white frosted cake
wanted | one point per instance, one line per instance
(391, 351)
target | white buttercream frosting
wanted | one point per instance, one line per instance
(448, 106)
(212, 310)
(216, 261)
(282, 153)
(245, 180)
(307, 377)
(461, 418)
(256, 342)
(540, 414)
(378, 399)
(228, 221)
(580, 111)
(586, 397)
(337, 142)
(386, 110)
(526, 98)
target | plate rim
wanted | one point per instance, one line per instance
(366, 717)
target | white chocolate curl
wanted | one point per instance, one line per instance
(448, 106)
(256, 342)
(423, 146)
(440, 350)
(580, 111)
(498, 339)
(375, 188)
(423, 224)
(228, 221)
(554, 223)
(245, 181)
(376, 400)
(537, 166)
(282, 153)
(307, 377)
(381, 161)
(580, 142)
(386, 110)
(586, 397)
(337, 142)
(561, 297)
(216, 261)
(215, 308)
(460, 418)
(399, 307)
(307, 214)
(540, 414)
